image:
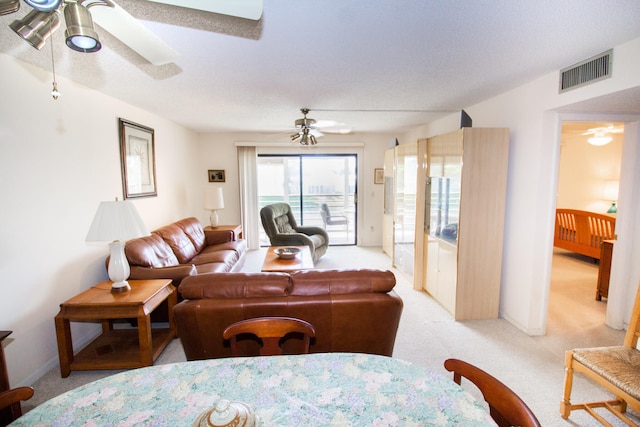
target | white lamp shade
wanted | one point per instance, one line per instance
(118, 220)
(213, 199)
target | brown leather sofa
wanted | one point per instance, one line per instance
(351, 310)
(184, 248)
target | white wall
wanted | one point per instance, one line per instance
(219, 152)
(59, 159)
(584, 170)
(529, 112)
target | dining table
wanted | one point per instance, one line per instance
(320, 389)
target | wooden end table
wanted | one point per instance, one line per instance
(116, 348)
(302, 261)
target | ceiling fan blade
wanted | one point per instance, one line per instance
(249, 9)
(131, 32)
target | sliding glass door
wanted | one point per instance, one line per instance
(321, 190)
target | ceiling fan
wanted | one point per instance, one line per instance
(308, 129)
(601, 134)
(80, 35)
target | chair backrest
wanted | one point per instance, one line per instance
(277, 218)
(505, 406)
(10, 400)
(633, 331)
(270, 330)
(324, 213)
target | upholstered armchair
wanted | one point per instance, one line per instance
(282, 229)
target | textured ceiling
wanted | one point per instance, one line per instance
(376, 65)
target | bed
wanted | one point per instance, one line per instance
(582, 232)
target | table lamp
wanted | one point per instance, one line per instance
(117, 222)
(214, 201)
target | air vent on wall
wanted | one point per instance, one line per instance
(586, 72)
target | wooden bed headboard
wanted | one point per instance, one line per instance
(582, 232)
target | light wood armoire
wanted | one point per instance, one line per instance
(461, 191)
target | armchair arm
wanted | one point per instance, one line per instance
(291, 239)
(311, 230)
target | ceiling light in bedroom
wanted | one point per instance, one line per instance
(600, 137)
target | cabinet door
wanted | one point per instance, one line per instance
(387, 215)
(406, 159)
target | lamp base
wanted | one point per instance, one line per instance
(118, 268)
(613, 208)
(120, 287)
(213, 218)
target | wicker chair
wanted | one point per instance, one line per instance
(616, 368)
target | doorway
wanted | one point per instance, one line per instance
(320, 188)
(586, 175)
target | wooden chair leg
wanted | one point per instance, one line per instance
(565, 404)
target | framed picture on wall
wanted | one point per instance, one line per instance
(216, 175)
(137, 160)
(378, 176)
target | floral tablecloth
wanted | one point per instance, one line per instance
(334, 389)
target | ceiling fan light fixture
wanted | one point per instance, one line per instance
(44, 5)
(599, 140)
(80, 34)
(9, 6)
(35, 27)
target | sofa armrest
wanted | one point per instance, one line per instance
(176, 273)
(215, 237)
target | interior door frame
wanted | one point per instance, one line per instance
(623, 269)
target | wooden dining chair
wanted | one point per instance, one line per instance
(270, 330)
(617, 368)
(10, 403)
(505, 406)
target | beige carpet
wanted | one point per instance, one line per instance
(531, 366)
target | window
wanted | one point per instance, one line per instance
(306, 183)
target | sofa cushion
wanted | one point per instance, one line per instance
(213, 267)
(237, 246)
(193, 229)
(235, 285)
(345, 281)
(150, 251)
(179, 242)
(229, 257)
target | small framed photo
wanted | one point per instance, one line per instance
(378, 176)
(216, 175)
(137, 159)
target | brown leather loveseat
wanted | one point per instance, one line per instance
(351, 310)
(182, 249)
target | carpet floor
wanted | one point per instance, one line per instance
(427, 335)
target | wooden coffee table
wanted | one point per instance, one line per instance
(302, 261)
(120, 348)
